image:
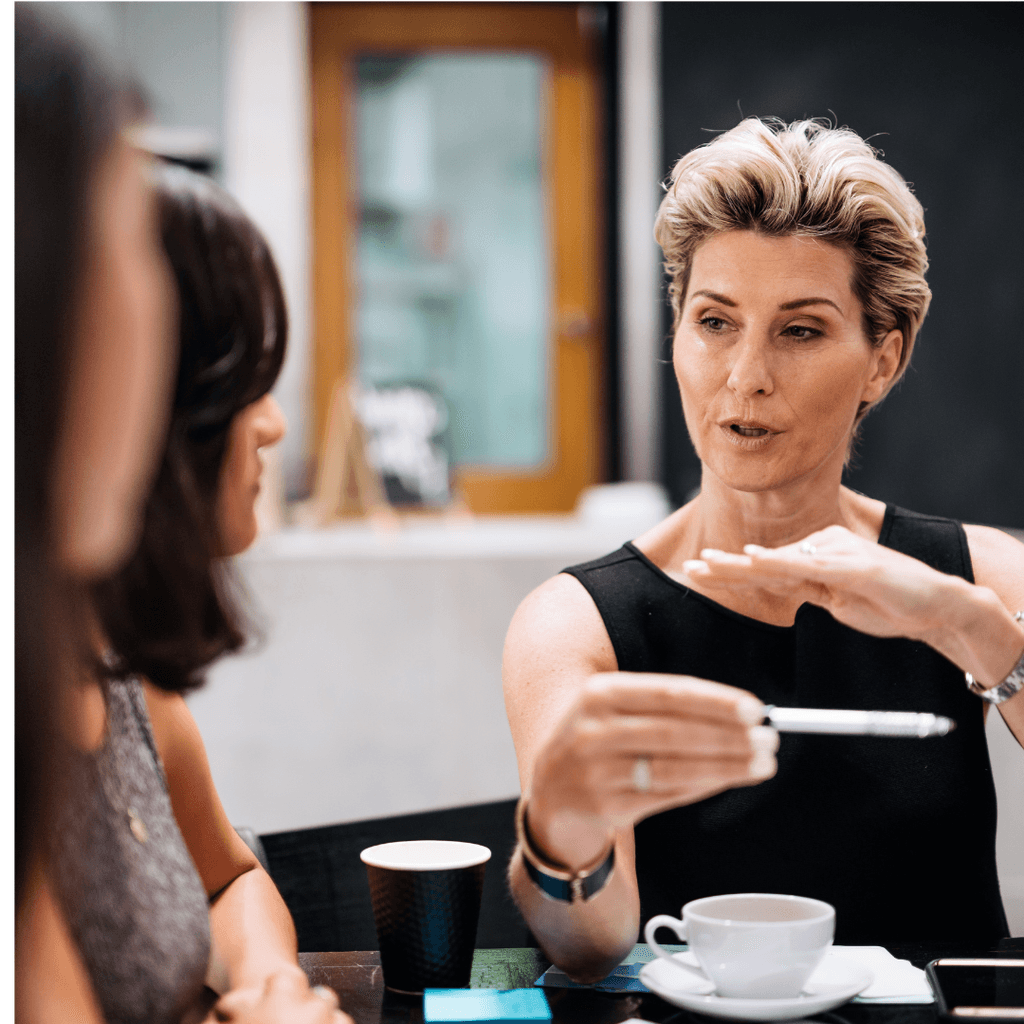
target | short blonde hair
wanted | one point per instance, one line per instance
(809, 179)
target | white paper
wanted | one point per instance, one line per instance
(896, 981)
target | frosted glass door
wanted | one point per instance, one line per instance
(452, 260)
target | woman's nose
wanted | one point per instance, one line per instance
(272, 421)
(750, 373)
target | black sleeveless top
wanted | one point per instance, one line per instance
(897, 834)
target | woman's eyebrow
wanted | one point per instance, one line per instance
(714, 295)
(797, 303)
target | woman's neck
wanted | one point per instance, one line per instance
(724, 518)
(727, 519)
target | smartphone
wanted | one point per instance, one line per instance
(988, 990)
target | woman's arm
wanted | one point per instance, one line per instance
(545, 667)
(885, 593)
(998, 568)
(579, 727)
(251, 930)
(50, 980)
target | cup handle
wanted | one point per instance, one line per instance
(664, 921)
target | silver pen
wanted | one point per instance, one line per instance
(858, 723)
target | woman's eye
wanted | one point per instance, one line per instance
(712, 323)
(802, 332)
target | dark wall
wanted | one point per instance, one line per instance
(937, 87)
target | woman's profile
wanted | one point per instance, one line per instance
(636, 684)
(177, 895)
(113, 918)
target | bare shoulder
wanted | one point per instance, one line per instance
(998, 560)
(165, 708)
(557, 624)
(174, 729)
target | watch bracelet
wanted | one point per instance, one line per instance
(1002, 691)
(556, 882)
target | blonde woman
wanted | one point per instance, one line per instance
(636, 684)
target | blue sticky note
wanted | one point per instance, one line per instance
(484, 1005)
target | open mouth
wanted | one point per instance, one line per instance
(748, 431)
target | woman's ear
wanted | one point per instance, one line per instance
(886, 364)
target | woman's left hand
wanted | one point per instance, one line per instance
(285, 998)
(864, 585)
(875, 590)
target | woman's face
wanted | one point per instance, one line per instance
(772, 360)
(257, 426)
(119, 382)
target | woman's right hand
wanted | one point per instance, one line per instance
(699, 738)
(286, 998)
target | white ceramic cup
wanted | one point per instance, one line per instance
(752, 945)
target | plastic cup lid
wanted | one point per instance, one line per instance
(425, 855)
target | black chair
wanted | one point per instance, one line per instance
(323, 881)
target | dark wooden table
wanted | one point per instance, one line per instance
(357, 979)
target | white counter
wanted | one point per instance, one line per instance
(378, 688)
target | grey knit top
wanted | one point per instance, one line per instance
(133, 899)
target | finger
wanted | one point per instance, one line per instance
(742, 569)
(674, 783)
(793, 561)
(676, 775)
(283, 988)
(230, 1005)
(683, 696)
(773, 565)
(668, 774)
(753, 580)
(778, 577)
(670, 736)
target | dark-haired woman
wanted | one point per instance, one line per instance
(160, 892)
(94, 302)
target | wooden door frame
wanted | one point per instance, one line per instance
(572, 153)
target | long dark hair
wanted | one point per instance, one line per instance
(68, 110)
(171, 611)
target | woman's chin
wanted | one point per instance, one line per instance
(238, 537)
(749, 476)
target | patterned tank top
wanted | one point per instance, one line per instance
(133, 900)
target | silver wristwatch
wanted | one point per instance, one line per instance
(1009, 687)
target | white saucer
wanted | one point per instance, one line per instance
(833, 982)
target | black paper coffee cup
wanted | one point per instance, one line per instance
(426, 903)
